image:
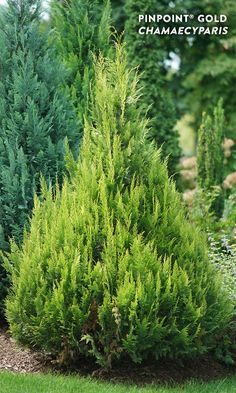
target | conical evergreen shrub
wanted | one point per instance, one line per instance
(35, 117)
(81, 30)
(111, 267)
(210, 157)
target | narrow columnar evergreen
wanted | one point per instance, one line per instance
(210, 156)
(35, 117)
(82, 30)
(110, 266)
(148, 53)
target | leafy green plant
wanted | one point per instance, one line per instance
(222, 253)
(200, 212)
(226, 345)
(229, 215)
(111, 267)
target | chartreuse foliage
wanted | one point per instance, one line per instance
(210, 156)
(110, 266)
(82, 30)
(149, 54)
(35, 117)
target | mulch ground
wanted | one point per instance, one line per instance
(18, 359)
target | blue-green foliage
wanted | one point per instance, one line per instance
(35, 116)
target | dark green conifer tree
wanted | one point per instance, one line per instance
(125, 274)
(148, 52)
(210, 156)
(82, 30)
(35, 116)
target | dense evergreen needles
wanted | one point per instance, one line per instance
(35, 117)
(210, 157)
(81, 30)
(110, 266)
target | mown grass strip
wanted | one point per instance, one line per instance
(37, 383)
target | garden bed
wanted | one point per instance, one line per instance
(22, 360)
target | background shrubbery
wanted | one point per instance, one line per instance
(157, 100)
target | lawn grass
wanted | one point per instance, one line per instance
(36, 383)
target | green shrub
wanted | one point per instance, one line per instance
(111, 267)
(35, 117)
(223, 255)
(210, 157)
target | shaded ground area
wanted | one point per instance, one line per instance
(17, 359)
